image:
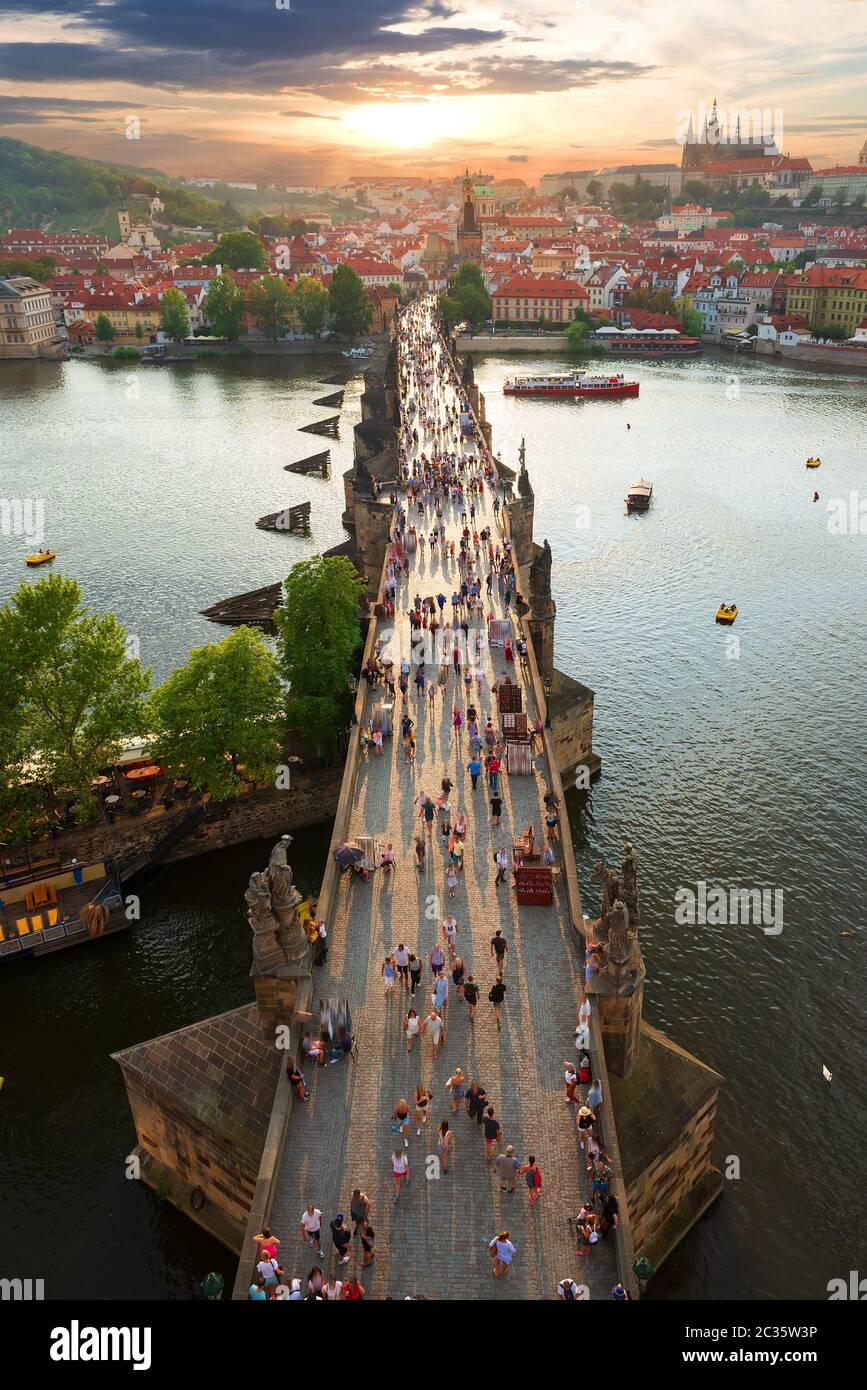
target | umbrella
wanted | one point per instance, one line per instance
(349, 853)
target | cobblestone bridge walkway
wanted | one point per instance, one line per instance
(434, 1241)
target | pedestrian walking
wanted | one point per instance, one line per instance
(502, 1252)
(458, 976)
(477, 1099)
(359, 1210)
(494, 773)
(456, 1087)
(399, 1171)
(451, 880)
(422, 1102)
(492, 1131)
(414, 974)
(389, 974)
(341, 1238)
(400, 1121)
(570, 1076)
(594, 1096)
(419, 852)
(471, 994)
(401, 960)
(311, 1227)
(507, 1167)
(411, 1027)
(496, 804)
(434, 1026)
(474, 768)
(529, 1171)
(501, 859)
(499, 947)
(445, 1144)
(496, 995)
(450, 931)
(441, 994)
(368, 1237)
(585, 1120)
(437, 959)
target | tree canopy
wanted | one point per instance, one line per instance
(238, 251)
(310, 302)
(351, 310)
(224, 307)
(69, 688)
(174, 316)
(220, 712)
(272, 303)
(318, 638)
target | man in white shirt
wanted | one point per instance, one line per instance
(311, 1226)
(401, 960)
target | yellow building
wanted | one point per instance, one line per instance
(28, 327)
(826, 295)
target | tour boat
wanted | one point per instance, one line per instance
(41, 557)
(638, 497)
(814, 463)
(363, 351)
(570, 384)
(726, 613)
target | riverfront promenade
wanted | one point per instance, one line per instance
(434, 1241)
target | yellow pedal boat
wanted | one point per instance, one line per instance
(814, 463)
(41, 557)
(726, 613)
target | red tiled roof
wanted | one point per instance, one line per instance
(546, 287)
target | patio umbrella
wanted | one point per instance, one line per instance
(348, 853)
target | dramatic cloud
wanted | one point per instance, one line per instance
(308, 116)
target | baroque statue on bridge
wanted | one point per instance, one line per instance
(272, 912)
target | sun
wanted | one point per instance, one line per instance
(407, 125)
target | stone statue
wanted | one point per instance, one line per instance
(616, 925)
(272, 912)
(283, 893)
(629, 884)
(610, 891)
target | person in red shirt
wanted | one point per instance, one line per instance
(353, 1289)
(494, 765)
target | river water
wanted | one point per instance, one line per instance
(738, 764)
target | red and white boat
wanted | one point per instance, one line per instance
(571, 384)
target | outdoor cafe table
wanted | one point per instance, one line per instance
(137, 795)
(112, 800)
(143, 774)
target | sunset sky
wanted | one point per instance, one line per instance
(330, 88)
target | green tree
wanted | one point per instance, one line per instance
(310, 302)
(318, 637)
(271, 302)
(104, 329)
(238, 251)
(37, 267)
(77, 690)
(811, 198)
(351, 310)
(576, 334)
(841, 197)
(594, 190)
(139, 331)
(691, 321)
(467, 292)
(222, 711)
(174, 317)
(224, 307)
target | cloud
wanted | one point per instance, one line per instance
(516, 158)
(225, 46)
(309, 116)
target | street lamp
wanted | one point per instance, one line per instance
(352, 686)
(547, 683)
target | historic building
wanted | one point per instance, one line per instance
(28, 326)
(469, 234)
(714, 144)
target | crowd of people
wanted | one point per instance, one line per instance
(448, 484)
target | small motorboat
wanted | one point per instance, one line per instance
(726, 613)
(40, 557)
(814, 463)
(638, 497)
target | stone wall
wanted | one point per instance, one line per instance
(174, 1142)
(570, 708)
(311, 799)
(666, 1184)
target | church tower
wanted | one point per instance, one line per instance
(469, 233)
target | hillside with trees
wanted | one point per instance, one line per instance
(41, 187)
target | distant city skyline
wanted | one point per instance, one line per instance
(321, 92)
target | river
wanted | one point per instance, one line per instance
(737, 764)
